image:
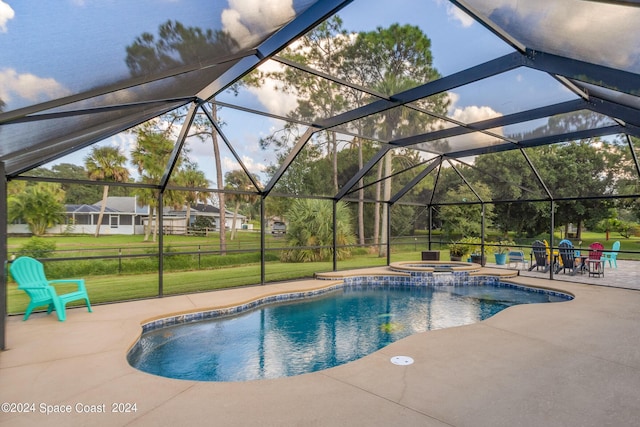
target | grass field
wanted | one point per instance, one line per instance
(115, 276)
(120, 279)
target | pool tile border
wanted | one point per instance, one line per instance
(415, 278)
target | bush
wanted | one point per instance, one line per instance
(474, 244)
(627, 229)
(37, 247)
(310, 234)
(203, 223)
(458, 249)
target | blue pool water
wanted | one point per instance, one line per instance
(287, 339)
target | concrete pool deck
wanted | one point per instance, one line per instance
(574, 363)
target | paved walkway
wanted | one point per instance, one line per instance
(626, 276)
(574, 363)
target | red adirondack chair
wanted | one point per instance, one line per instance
(595, 263)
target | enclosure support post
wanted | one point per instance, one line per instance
(483, 261)
(429, 224)
(160, 214)
(633, 153)
(3, 256)
(262, 241)
(335, 235)
(551, 243)
(388, 231)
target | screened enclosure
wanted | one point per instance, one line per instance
(377, 126)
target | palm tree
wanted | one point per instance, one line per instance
(150, 156)
(238, 180)
(39, 205)
(191, 177)
(310, 231)
(105, 164)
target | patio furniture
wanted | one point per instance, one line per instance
(595, 263)
(539, 250)
(29, 274)
(568, 256)
(582, 262)
(430, 255)
(612, 256)
(554, 256)
(516, 257)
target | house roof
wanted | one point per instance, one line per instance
(86, 209)
(124, 204)
(201, 208)
(206, 208)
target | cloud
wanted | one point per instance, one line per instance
(456, 14)
(249, 21)
(6, 14)
(459, 15)
(229, 164)
(595, 31)
(471, 113)
(28, 86)
(275, 101)
(253, 166)
(453, 100)
(474, 113)
(125, 142)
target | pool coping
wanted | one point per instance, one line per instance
(343, 280)
(426, 266)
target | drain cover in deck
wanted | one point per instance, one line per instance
(401, 360)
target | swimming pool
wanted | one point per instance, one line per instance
(292, 338)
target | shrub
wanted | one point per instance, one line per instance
(458, 249)
(310, 233)
(203, 223)
(37, 247)
(474, 244)
(627, 229)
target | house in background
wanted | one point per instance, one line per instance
(122, 215)
(174, 221)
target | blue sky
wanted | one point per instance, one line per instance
(41, 73)
(457, 42)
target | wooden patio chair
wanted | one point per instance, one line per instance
(595, 263)
(29, 274)
(539, 250)
(568, 256)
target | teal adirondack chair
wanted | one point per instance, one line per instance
(612, 256)
(29, 274)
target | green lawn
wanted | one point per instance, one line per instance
(135, 278)
(122, 287)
